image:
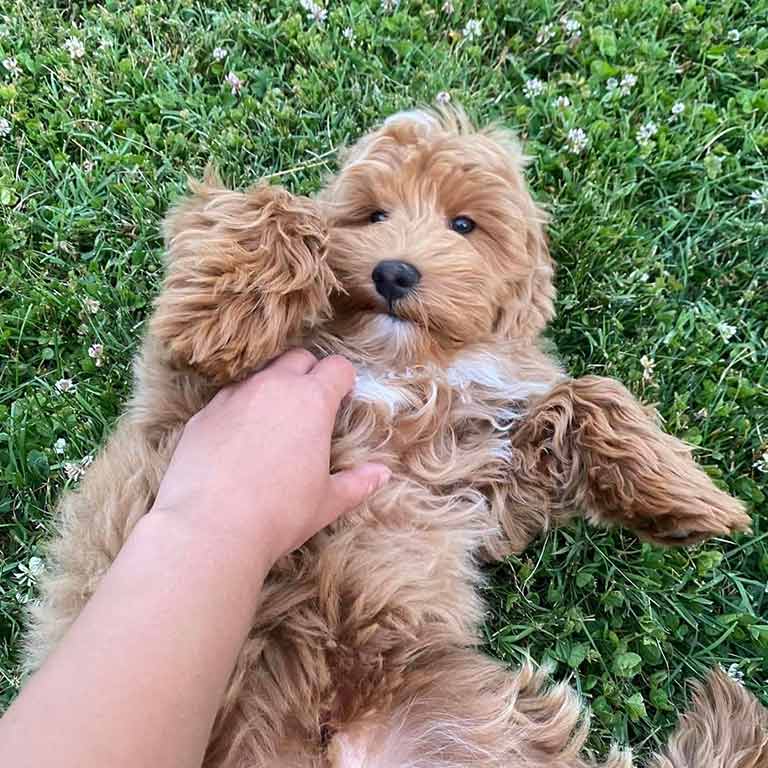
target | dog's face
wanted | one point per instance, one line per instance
(435, 239)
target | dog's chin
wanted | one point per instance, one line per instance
(397, 336)
(384, 338)
(390, 330)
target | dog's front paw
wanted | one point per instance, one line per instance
(606, 452)
(247, 277)
(688, 512)
(655, 488)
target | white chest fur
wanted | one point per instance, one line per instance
(469, 375)
(386, 388)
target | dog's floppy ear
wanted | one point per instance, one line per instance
(246, 276)
(529, 304)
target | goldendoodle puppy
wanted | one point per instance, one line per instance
(425, 262)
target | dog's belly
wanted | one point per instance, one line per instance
(345, 620)
(397, 578)
(390, 588)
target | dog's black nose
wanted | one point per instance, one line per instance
(394, 279)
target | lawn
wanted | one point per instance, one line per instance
(647, 122)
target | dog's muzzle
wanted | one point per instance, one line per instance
(395, 279)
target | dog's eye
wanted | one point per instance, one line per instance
(462, 224)
(377, 216)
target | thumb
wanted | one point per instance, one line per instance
(350, 488)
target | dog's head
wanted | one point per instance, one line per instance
(427, 239)
(435, 238)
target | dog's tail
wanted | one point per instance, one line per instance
(726, 727)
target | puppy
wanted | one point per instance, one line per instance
(425, 262)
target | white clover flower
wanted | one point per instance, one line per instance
(577, 141)
(315, 12)
(5, 127)
(759, 197)
(219, 54)
(628, 82)
(611, 84)
(561, 102)
(734, 35)
(74, 470)
(65, 385)
(571, 26)
(761, 465)
(735, 673)
(60, 446)
(318, 14)
(533, 87)
(27, 574)
(677, 109)
(472, 29)
(234, 82)
(448, 7)
(75, 48)
(12, 66)
(88, 165)
(726, 330)
(348, 34)
(545, 34)
(443, 97)
(96, 353)
(389, 5)
(92, 305)
(646, 132)
(648, 364)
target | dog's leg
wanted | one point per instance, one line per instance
(246, 278)
(288, 756)
(270, 714)
(725, 728)
(464, 709)
(588, 446)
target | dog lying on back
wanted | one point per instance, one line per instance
(425, 262)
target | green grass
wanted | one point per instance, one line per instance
(662, 251)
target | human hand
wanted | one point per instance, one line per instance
(252, 467)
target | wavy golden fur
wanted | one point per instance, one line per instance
(364, 651)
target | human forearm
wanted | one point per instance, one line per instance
(139, 676)
(150, 655)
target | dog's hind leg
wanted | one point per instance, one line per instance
(467, 710)
(725, 728)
